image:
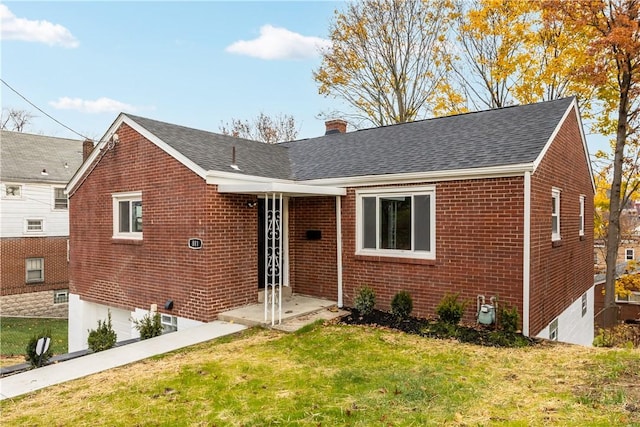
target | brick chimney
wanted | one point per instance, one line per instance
(335, 126)
(87, 148)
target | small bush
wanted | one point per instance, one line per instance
(450, 310)
(365, 300)
(402, 305)
(509, 318)
(31, 355)
(149, 326)
(104, 337)
(625, 336)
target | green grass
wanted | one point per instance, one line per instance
(347, 376)
(15, 333)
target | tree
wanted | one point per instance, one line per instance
(386, 58)
(508, 52)
(614, 69)
(263, 128)
(15, 120)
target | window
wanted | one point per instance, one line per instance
(555, 214)
(582, 199)
(35, 270)
(634, 297)
(629, 254)
(60, 297)
(584, 304)
(169, 323)
(59, 198)
(399, 222)
(553, 330)
(127, 215)
(34, 225)
(12, 191)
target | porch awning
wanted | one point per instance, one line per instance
(291, 190)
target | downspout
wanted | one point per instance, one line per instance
(526, 263)
(339, 248)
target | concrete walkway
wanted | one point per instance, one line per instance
(36, 379)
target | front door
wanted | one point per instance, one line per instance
(270, 243)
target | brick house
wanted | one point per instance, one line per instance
(34, 226)
(490, 203)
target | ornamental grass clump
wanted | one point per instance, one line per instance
(365, 300)
(402, 305)
(450, 310)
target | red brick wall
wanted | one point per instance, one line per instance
(479, 234)
(177, 205)
(560, 273)
(13, 266)
(313, 268)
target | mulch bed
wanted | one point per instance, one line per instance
(433, 328)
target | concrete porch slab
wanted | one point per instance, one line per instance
(297, 311)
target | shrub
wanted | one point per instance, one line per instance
(450, 310)
(31, 354)
(509, 318)
(402, 305)
(104, 337)
(365, 300)
(625, 336)
(149, 326)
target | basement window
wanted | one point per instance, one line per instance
(169, 323)
(61, 297)
(553, 330)
(127, 215)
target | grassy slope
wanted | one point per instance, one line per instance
(357, 376)
(15, 333)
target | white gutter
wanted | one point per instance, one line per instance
(339, 248)
(526, 258)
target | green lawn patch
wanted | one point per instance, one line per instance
(15, 333)
(338, 375)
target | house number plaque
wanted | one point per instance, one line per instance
(195, 243)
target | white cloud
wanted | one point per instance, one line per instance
(100, 105)
(279, 43)
(13, 28)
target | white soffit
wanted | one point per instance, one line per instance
(278, 187)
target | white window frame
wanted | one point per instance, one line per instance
(169, 323)
(634, 298)
(628, 251)
(61, 296)
(555, 198)
(582, 200)
(27, 270)
(585, 306)
(54, 198)
(399, 192)
(5, 190)
(32, 230)
(133, 196)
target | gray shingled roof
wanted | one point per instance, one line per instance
(500, 137)
(213, 151)
(25, 155)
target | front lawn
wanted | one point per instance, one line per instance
(348, 375)
(15, 333)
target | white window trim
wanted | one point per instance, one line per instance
(633, 254)
(555, 196)
(553, 330)
(584, 304)
(582, 222)
(26, 271)
(399, 191)
(53, 199)
(32, 232)
(635, 300)
(168, 322)
(123, 197)
(8, 197)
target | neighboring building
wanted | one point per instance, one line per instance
(34, 223)
(494, 203)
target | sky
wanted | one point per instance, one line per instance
(196, 64)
